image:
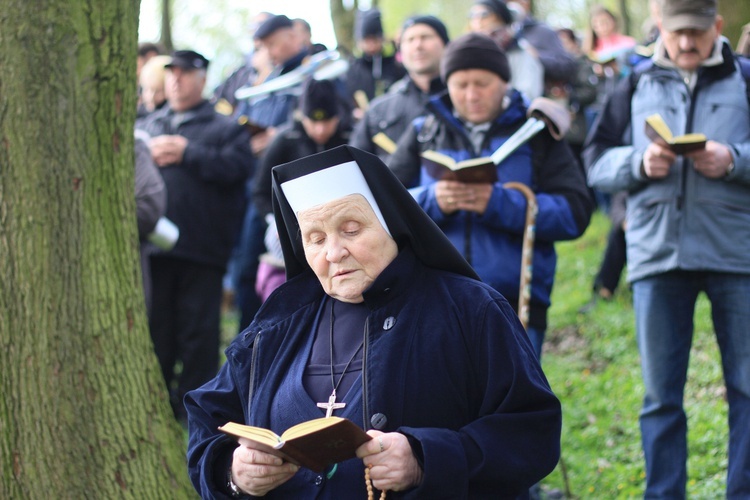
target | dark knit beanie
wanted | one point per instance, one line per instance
(271, 26)
(498, 8)
(431, 21)
(368, 24)
(474, 51)
(319, 100)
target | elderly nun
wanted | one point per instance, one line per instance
(382, 322)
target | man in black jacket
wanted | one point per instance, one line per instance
(204, 158)
(423, 39)
(377, 69)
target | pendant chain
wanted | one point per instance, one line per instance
(335, 385)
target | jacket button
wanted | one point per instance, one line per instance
(318, 480)
(379, 421)
(389, 322)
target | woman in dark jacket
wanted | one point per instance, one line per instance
(382, 314)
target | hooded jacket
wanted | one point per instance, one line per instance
(492, 242)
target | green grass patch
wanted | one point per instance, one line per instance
(592, 363)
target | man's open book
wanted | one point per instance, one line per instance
(443, 167)
(314, 444)
(658, 131)
(252, 127)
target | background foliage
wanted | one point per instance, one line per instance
(218, 29)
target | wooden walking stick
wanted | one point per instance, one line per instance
(542, 113)
(527, 249)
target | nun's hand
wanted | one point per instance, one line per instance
(392, 462)
(256, 472)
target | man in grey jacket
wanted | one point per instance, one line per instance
(688, 228)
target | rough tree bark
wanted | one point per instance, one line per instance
(83, 410)
(736, 13)
(343, 23)
(165, 37)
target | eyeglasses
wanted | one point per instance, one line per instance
(479, 14)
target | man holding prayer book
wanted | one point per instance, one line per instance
(383, 323)
(485, 221)
(687, 227)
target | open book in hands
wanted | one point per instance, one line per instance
(484, 170)
(443, 167)
(658, 131)
(314, 444)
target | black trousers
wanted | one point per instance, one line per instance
(614, 260)
(185, 323)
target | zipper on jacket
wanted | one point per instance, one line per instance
(689, 128)
(253, 363)
(365, 406)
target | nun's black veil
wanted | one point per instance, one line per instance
(407, 222)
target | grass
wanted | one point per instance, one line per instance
(592, 364)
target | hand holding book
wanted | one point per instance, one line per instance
(658, 131)
(543, 113)
(314, 444)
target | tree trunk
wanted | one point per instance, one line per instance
(83, 407)
(165, 38)
(736, 13)
(625, 16)
(343, 24)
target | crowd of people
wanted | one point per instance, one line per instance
(361, 273)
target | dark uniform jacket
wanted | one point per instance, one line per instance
(392, 113)
(374, 74)
(466, 389)
(290, 143)
(206, 190)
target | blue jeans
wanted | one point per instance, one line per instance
(664, 309)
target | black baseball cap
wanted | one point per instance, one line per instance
(187, 59)
(271, 26)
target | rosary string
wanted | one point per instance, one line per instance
(368, 483)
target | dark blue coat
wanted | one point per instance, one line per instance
(456, 374)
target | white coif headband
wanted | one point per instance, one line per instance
(327, 185)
